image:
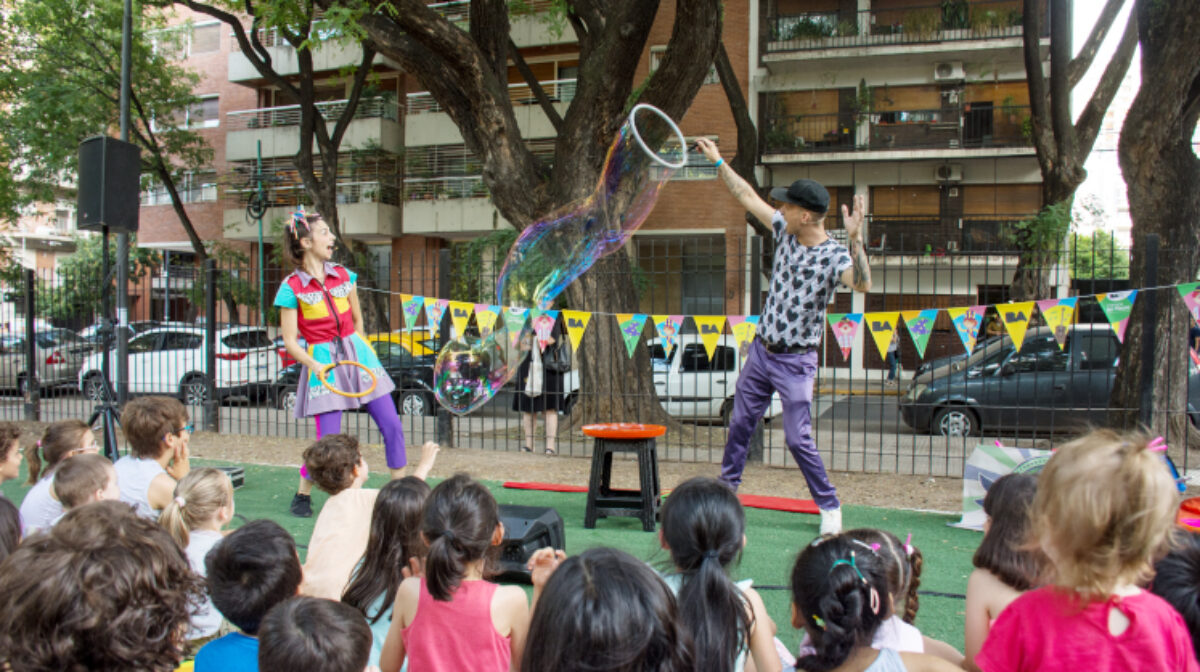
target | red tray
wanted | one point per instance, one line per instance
(624, 430)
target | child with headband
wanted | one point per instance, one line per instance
(1103, 512)
(318, 302)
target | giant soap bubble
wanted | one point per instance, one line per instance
(552, 252)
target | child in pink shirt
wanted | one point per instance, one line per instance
(1104, 510)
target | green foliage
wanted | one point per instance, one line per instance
(810, 28)
(847, 28)
(75, 293)
(234, 286)
(923, 24)
(1043, 236)
(1098, 256)
(553, 17)
(955, 14)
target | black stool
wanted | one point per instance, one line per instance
(603, 500)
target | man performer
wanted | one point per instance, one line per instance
(807, 268)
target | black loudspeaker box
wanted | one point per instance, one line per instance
(109, 182)
(526, 529)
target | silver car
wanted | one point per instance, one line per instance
(58, 352)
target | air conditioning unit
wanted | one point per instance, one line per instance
(948, 172)
(950, 70)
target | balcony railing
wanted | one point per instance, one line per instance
(934, 235)
(971, 126)
(377, 107)
(292, 195)
(443, 188)
(558, 90)
(882, 25)
(458, 11)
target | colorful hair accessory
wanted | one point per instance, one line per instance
(180, 502)
(874, 600)
(875, 547)
(1158, 444)
(849, 563)
(820, 622)
(908, 547)
(298, 217)
(998, 444)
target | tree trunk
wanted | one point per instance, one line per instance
(1031, 278)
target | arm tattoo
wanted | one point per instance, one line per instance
(862, 271)
(737, 186)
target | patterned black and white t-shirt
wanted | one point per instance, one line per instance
(802, 282)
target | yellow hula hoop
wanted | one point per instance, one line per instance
(321, 376)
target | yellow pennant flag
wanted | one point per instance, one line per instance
(743, 328)
(577, 323)
(485, 316)
(1059, 314)
(883, 328)
(1016, 319)
(711, 327)
(460, 316)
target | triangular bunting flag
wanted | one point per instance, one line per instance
(411, 306)
(966, 323)
(845, 327)
(1191, 296)
(920, 327)
(460, 316)
(668, 331)
(514, 322)
(1059, 315)
(883, 328)
(485, 317)
(434, 310)
(631, 329)
(711, 327)
(1117, 307)
(543, 327)
(1015, 317)
(577, 323)
(744, 327)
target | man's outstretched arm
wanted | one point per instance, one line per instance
(740, 188)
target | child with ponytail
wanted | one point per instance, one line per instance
(202, 505)
(61, 440)
(451, 618)
(704, 530)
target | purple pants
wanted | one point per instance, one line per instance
(383, 411)
(792, 375)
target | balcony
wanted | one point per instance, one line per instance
(456, 205)
(528, 29)
(939, 236)
(376, 123)
(972, 128)
(367, 210)
(426, 123)
(891, 26)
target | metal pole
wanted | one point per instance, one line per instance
(166, 285)
(1149, 303)
(212, 405)
(445, 428)
(32, 405)
(123, 237)
(262, 292)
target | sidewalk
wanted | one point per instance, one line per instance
(864, 386)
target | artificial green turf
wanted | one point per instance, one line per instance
(774, 538)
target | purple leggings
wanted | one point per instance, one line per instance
(383, 411)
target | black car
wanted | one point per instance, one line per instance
(412, 375)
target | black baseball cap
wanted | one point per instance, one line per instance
(808, 194)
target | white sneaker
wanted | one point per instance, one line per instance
(831, 521)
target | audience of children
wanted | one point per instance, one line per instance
(10, 452)
(249, 572)
(61, 440)
(103, 590)
(314, 635)
(450, 618)
(1177, 580)
(1006, 565)
(1104, 510)
(86, 478)
(202, 506)
(158, 432)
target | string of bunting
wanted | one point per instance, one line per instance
(1059, 315)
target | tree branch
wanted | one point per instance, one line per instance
(255, 52)
(1031, 25)
(1191, 109)
(744, 160)
(489, 28)
(538, 92)
(1080, 64)
(1060, 94)
(351, 107)
(1092, 117)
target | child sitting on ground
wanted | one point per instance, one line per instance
(203, 504)
(839, 598)
(61, 440)
(1177, 580)
(1005, 566)
(249, 572)
(10, 453)
(450, 618)
(83, 479)
(103, 590)
(1104, 509)
(158, 432)
(315, 635)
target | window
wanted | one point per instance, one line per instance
(1098, 349)
(64, 219)
(206, 37)
(695, 358)
(181, 340)
(1040, 354)
(205, 113)
(658, 53)
(192, 188)
(145, 343)
(248, 340)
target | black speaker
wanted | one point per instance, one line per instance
(526, 529)
(109, 182)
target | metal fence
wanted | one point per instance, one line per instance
(231, 370)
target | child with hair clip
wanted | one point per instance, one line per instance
(202, 506)
(704, 530)
(451, 618)
(318, 302)
(1104, 511)
(394, 544)
(1005, 565)
(10, 453)
(61, 440)
(839, 598)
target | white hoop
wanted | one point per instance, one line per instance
(654, 155)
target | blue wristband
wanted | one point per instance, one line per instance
(718, 163)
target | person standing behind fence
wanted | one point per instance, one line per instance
(318, 302)
(807, 268)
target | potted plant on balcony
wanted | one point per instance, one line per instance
(923, 24)
(370, 194)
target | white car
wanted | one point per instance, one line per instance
(170, 361)
(689, 385)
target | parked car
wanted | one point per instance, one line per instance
(58, 352)
(691, 386)
(170, 360)
(411, 373)
(1040, 387)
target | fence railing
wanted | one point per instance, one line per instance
(376, 107)
(520, 93)
(291, 195)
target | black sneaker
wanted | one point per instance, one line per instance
(301, 506)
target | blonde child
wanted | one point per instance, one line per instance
(83, 479)
(158, 432)
(61, 440)
(10, 452)
(1005, 566)
(450, 618)
(201, 507)
(1104, 510)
